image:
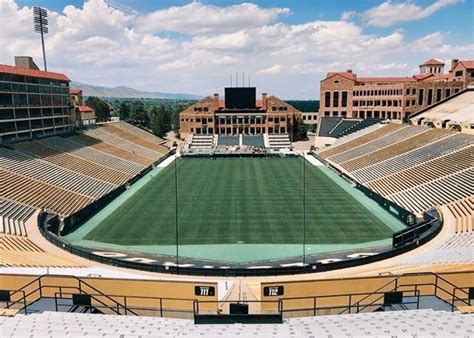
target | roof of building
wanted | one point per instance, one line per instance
(469, 64)
(75, 91)
(458, 109)
(33, 73)
(347, 75)
(432, 62)
(84, 109)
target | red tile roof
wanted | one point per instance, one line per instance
(33, 73)
(84, 109)
(387, 79)
(347, 75)
(469, 64)
(432, 62)
(75, 91)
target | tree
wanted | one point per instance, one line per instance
(299, 130)
(124, 110)
(102, 110)
(160, 120)
(138, 113)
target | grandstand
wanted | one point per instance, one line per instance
(415, 167)
(338, 127)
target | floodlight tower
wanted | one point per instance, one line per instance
(40, 18)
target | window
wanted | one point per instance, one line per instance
(336, 82)
(326, 113)
(430, 96)
(458, 73)
(448, 92)
(335, 99)
(420, 96)
(344, 113)
(344, 99)
(438, 95)
(413, 91)
(206, 108)
(327, 99)
(274, 108)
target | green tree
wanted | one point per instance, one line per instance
(102, 110)
(138, 113)
(160, 122)
(299, 130)
(124, 110)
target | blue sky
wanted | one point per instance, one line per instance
(287, 46)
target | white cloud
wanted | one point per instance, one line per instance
(390, 13)
(199, 18)
(106, 45)
(347, 15)
(273, 70)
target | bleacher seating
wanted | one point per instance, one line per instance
(202, 142)
(77, 149)
(228, 140)
(393, 150)
(438, 192)
(279, 141)
(419, 323)
(51, 173)
(253, 140)
(13, 216)
(326, 125)
(375, 134)
(463, 212)
(63, 175)
(388, 139)
(18, 251)
(111, 149)
(118, 141)
(416, 167)
(417, 156)
(74, 163)
(425, 172)
(338, 127)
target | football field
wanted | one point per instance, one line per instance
(243, 201)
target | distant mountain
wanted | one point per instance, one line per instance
(127, 92)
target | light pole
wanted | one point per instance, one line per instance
(40, 19)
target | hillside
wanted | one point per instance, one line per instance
(127, 92)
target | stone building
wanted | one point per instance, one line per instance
(344, 94)
(239, 113)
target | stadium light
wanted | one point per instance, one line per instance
(40, 20)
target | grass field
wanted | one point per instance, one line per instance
(241, 200)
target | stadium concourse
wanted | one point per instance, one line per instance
(416, 167)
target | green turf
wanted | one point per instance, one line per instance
(241, 200)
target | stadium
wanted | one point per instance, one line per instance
(237, 228)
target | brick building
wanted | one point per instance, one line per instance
(33, 103)
(345, 94)
(83, 114)
(239, 113)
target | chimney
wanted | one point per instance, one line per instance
(216, 96)
(454, 63)
(349, 71)
(25, 62)
(264, 96)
